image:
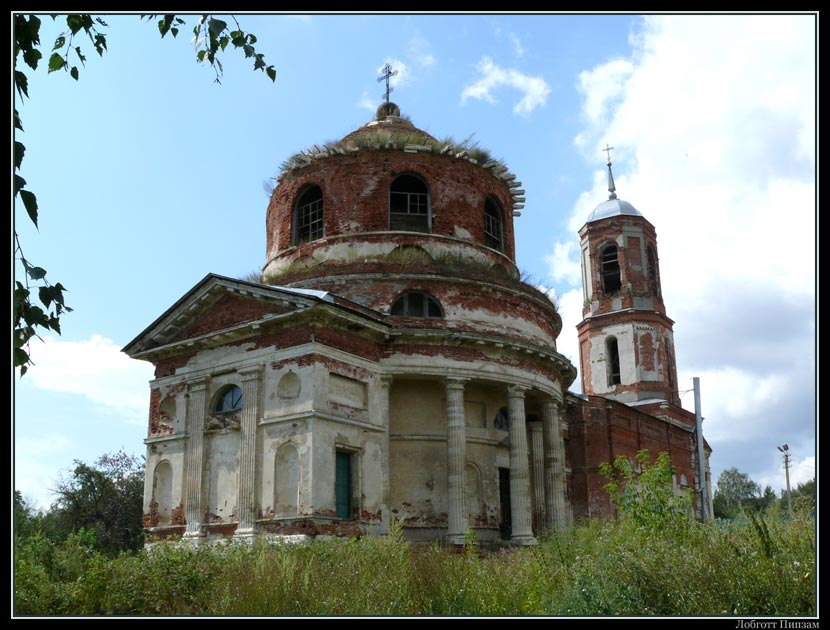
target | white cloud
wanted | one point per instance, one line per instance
(33, 477)
(366, 102)
(94, 369)
(420, 52)
(517, 45)
(534, 89)
(713, 120)
(564, 263)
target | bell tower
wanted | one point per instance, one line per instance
(626, 343)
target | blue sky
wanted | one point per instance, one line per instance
(149, 176)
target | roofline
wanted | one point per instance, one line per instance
(326, 298)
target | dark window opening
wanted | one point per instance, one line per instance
(613, 360)
(653, 272)
(416, 304)
(229, 402)
(409, 207)
(343, 485)
(611, 281)
(308, 217)
(493, 225)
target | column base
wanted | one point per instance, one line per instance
(245, 535)
(194, 537)
(455, 539)
(523, 541)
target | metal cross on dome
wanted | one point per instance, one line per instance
(387, 74)
(607, 150)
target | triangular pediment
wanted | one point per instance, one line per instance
(218, 307)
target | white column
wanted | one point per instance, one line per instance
(194, 511)
(556, 503)
(522, 531)
(456, 458)
(538, 455)
(247, 451)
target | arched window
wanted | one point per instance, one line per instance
(409, 205)
(612, 360)
(611, 282)
(653, 271)
(416, 304)
(493, 225)
(308, 216)
(229, 401)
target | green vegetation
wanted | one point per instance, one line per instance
(651, 560)
(603, 568)
(378, 139)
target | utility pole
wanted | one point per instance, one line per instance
(701, 455)
(786, 450)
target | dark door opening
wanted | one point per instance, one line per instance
(505, 527)
(343, 485)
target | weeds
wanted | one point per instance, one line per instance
(740, 568)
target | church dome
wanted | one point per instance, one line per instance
(612, 208)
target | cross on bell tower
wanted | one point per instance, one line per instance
(388, 73)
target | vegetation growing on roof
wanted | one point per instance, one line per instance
(385, 139)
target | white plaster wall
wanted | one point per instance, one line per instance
(271, 438)
(172, 450)
(221, 473)
(599, 361)
(280, 400)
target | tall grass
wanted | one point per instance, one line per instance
(742, 568)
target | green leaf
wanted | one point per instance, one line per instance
(101, 22)
(164, 24)
(174, 31)
(56, 62)
(74, 23)
(45, 295)
(19, 152)
(30, 202)
(59, 42)
(17, 124)
(21, 358)
(272, 74)
(36, 273)
(19, 183)
(224, 41)
(216, 26)
(100, 44)
(80, 54)
(201, 55)
(31, 57)
(74, 72)
(21, 82)
(249, 50)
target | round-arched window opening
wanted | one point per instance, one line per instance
(416, 304)
(308, 216)
(409, 205)
(493, 225)
(229, 401)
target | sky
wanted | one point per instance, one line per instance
(149, 176)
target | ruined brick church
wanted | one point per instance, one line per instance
(391, 364)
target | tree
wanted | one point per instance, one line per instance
(647, 498)
(211, 35)
(105, 499)
(803, 497)
(25, 518)
(733, 490)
